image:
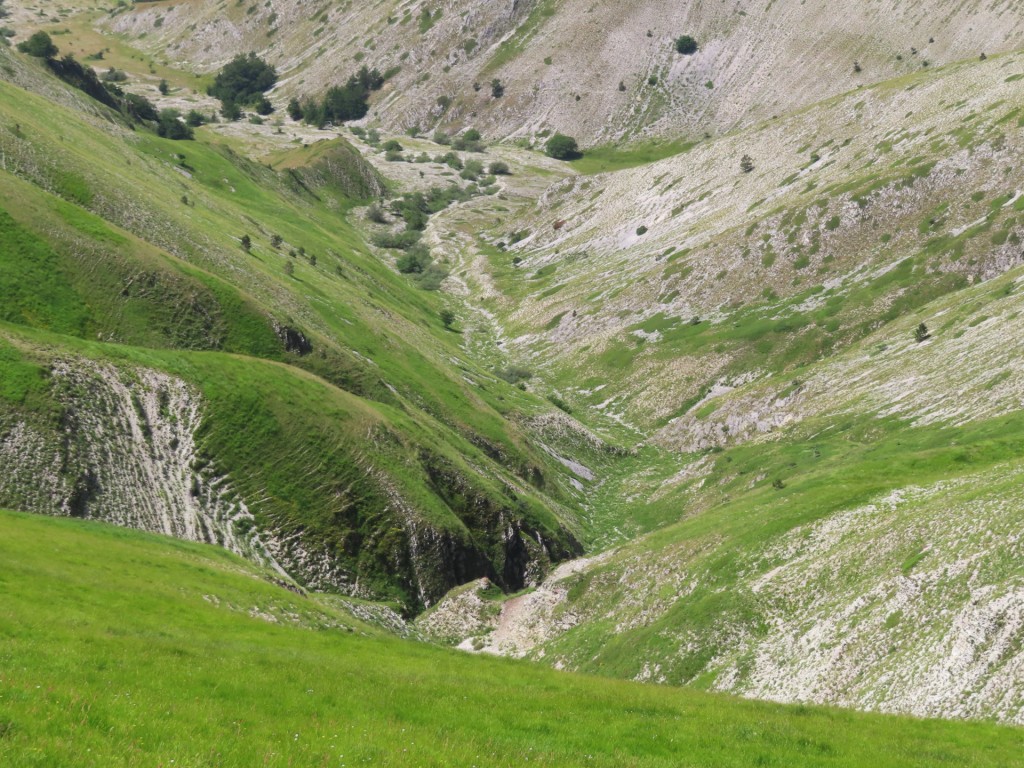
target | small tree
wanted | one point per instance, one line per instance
(263, 106)
(561, 147)
(243, 79)
(686, 45)
(921, 333)
(195, 118)
(275, 241)
(289, 268)
(498, 168)
(39, 45)
(164, 88)
(497, 89)
(294, 109)
(170, 126)
(746, 163)
(231, 111)
(246, 243)
(447, 318)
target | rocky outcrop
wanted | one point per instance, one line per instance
(122, 448)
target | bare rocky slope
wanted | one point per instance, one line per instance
(561, 61)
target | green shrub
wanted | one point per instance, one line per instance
(561, 147)
(39, 45)
(170, 126)
(514, 374)
(685, 45)
(416, 259)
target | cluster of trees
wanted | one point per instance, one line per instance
(469, 140)
(415, 208)
(242, 83)
(67, 68)
(40, 45)
(340, 103)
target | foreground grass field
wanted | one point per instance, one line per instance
(121, 648)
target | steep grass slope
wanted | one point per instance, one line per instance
(129, 239)
(126, 649)
(562, 61)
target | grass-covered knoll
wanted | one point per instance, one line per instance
(197, 199)
(357, 495)
(127, 649)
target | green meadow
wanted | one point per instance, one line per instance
(126, 649)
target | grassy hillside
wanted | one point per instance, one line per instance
(122, 648)
(425, 474)
(705, 350)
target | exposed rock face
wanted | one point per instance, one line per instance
(900, 605)
(124, 451)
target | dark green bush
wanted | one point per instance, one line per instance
(561, 147)
(243, 80)
(39, 45)
(686, 45)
